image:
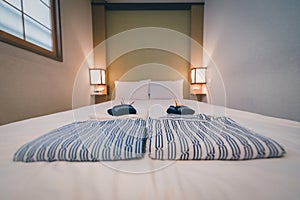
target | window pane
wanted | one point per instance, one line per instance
(47, 2)
(39, 11)
(10, 20)
(31, 22)
(16, 3)
(37, 34)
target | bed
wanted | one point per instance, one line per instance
(146, 176)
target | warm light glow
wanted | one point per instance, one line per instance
(103, 76)
(97, 76)
(193, 75)
(198, 75)
(99, 89)
(198, 89)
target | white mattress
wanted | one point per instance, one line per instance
(151, 179)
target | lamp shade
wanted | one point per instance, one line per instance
(97, 76)
(198, 75)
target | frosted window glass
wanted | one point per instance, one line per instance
(47, 2)
(31, 22)
(37, 34)
(16, 3)
(39, 11)
(10, 20)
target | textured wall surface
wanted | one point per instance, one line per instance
(33, 85)
(255, 46)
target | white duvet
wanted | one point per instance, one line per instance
(277, 178)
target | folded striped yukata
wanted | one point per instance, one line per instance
(201, 137)
(93, 140)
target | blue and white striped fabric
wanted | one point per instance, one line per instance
(93, 140)
(201, 137)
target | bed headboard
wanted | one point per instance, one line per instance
(153, 71)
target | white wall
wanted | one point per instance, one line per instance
(33, 85)
(256, 48)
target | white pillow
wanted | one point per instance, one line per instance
(166, 89)
(132, 90)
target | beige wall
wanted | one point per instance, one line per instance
(99, 35)
(128, 48)
(197, 17)
(33, 85)
(119, 21)
(149, 64)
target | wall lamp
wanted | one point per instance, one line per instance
(198, 81)
(198, 75)
(98, 80)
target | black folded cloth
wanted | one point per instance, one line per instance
(123, 109)
(180, 110)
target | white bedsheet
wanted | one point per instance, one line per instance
(151, 179)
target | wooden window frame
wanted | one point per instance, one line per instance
(56, 52)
